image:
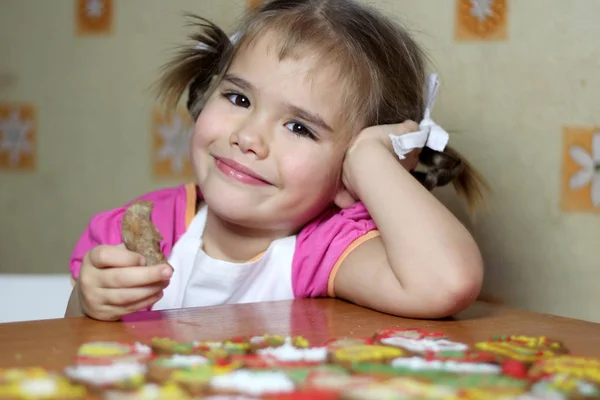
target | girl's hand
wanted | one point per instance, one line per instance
(373, 137)
(113, 283)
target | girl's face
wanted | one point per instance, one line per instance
(269, 144)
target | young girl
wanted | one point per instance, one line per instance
(303, 142)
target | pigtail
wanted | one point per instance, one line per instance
(450, 167)
(195, 67)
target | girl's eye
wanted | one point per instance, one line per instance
(237, 99)
(300, 130)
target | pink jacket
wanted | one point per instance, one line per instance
(320, 247)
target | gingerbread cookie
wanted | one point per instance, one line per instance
(374, 354)
(422, 345)
(139, 233)
(161, 368)
(167, 346)
(112, 352)
(119, 376)
(408, 333)
(289, 352)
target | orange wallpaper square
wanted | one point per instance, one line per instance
(254, 3)
(481, 20)
(94, 16)
(581, 169)
(17, 137)
(171, 136)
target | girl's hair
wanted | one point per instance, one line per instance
(380, 66)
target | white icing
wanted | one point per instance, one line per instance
(141, 348)
(253, 383)
(288, 352)
(38, 387)
(105, 374)
(181, 360)
(422, 345)
(418, 363)
(257, 339)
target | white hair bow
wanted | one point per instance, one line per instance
(429, 134)
(233, 39)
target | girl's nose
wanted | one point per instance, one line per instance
(251, 139)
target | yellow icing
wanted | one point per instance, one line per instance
(103, 350)
(514, 351)
(63, 388)
(578, 367)
(364, 353)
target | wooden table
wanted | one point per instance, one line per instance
(53, 343)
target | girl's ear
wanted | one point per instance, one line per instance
(343, 198)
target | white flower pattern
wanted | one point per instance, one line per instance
(481, 9)
(176, 141)
(589, 174)
(13, 137)
(94, 8)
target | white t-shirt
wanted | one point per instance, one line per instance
(200, 280)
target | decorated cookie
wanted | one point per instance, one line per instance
(585, 368)
(160, 369)
(457, 367)
(336, 382)
(120, 376)
(47, 387)
(167, 346)
(521, 348)
(424, 345)
(408, 333)
(288, 352)
(365, 354)
(10, 375)
(566, 386)
(253, 383)
(266, 340)
(149, 391)
(474, 356)
(110, 352)
(340, 343)
(400, 389)
(196, 379)
(304, 395)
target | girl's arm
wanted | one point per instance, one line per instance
(425, 264)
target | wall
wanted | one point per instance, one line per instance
(506, 103)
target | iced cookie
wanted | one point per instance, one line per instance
(365, 354)
(407, 333)
(521, 348)
(47, 387)
(423, 345)
(150, 391)
(109, 352)
(288, 352)
(342, 342)
(253, 383)
(120, 376)
(167, 346)
(161, 368)
(566, 386)
(586, 368)
(196, 379)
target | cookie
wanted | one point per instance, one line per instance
(288, 352)
(195, 380)
(38, 385)
(566, 386)
(365, 354)
(585, 368)
(342, 342)
(252, 383)
(474, 356)
(119, 376)
(423, 345)
(98, 353)
(149, 391)
(525, 349)
(161, 368)
(167, 346)
(335, 382)
(408, 333)
(139, 233)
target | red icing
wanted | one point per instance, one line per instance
(514, 368)
(305, 395)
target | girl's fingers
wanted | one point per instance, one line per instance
(132, 277)
(145, 303)
(126, 297)
(114, 256)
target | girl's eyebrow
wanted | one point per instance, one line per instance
(309, 117)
